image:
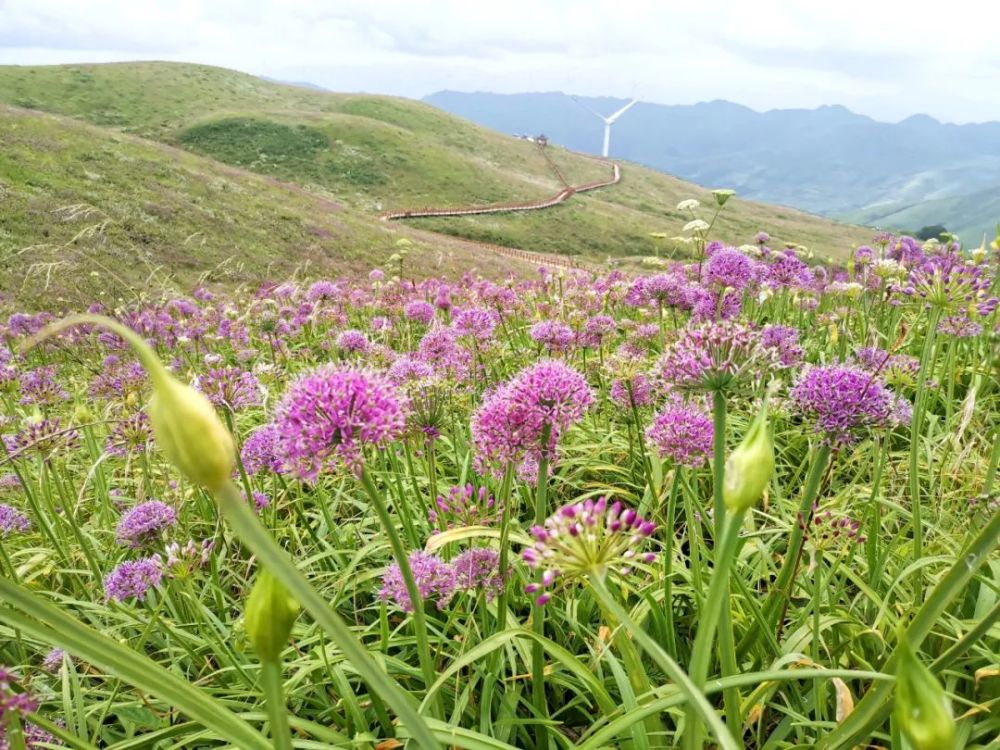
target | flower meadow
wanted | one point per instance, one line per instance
(735, 501)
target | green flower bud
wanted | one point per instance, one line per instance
(722, 196)
(271, 612)
(921, 707)
(190, 433)
(749, 467)
(186, 426)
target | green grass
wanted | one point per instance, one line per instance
(375, 153)
(92, 213)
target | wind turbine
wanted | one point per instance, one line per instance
(608, 121)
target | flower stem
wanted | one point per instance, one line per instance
(710, 618)
(694, 696)
(538, 616)
(281, 734)
(416, 600)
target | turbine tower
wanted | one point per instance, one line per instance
(608, 121)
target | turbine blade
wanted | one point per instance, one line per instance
(622, 111)
(595, 114)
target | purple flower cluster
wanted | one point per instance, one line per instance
(464, 506)
(591, 537)
(479, 323)
(683, 433)
(133, 434)
(553, 335)
(434, 577)
(784, 341)
(329, 414)
(635, 391)
(728, 269)
(145, 522)
(133, 579)
(45, 437)
(260, 451)
(352, 341)
(419, 311)
(715, 356)
(39, 387)
(13, 521)
(476, 569)
(510, 424)
(230, 387)
(842, 401)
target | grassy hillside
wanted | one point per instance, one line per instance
(374, 153)
(91, 213)
(969, 216)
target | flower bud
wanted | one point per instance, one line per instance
(921, 707)
(723, 196)
(749, 467)
(190, 433)
(270, 614)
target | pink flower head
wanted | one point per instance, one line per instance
(331, 413)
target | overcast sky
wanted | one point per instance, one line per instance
(885, 58)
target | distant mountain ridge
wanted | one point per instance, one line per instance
(828, 160)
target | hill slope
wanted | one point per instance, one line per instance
(828, 160)
(88, 213)
(969, 216)
(375, 153)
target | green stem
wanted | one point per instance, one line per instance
(538, 616)
(916, 428)
(250, 531)
(274, 694)
(693, 695)
(709, 620)
(416, 600)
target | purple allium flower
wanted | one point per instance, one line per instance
(728, 269)
(842, 401)
(479, 323)
(596, 329)
(261, 501)
(435, 579)
(682, 433)
(145, 522)
(787, 270)
(39, 387)
(189, 558)
(464, 506)
(133, 579)
(330, 413)
(635, 391)
(13, 521)
(785, 341)
(878, 361)
(553, 335)
(510, 423)
(407, 369)
(762, 238)
(231, 387)
(352, 341)
(420, 311)
(323, 289)
(714, 356)
(959, 326)
(130, 435)
(826, 529)
(376, 274)
(864, 255)
(478, 569)
(35, 738)
(45, 438)
(260, 451)
(53, 660)
(586, 538)
(439, 348)
(661, 290)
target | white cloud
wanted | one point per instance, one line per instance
(875, 56)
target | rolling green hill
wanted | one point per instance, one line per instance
(89, 213)
(374, 153)
(969, 216)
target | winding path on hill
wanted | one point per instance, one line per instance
(522, 206)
